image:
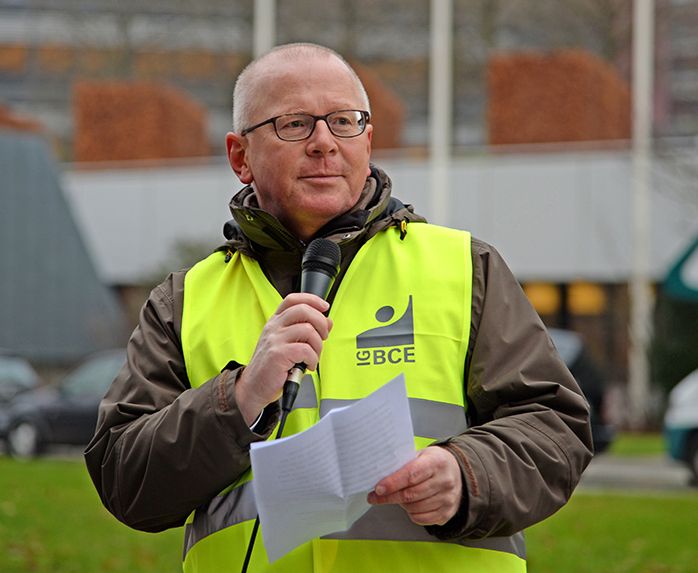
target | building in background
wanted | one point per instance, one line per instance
(199, 48)
(559, 213)
(54, 308)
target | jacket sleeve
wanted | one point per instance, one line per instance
(529, 437)
(162, 448)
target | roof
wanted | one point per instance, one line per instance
(53, 306)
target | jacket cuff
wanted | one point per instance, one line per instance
(226, 408)
(476, 502)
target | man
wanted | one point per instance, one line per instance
(501, 427)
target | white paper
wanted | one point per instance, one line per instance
(316, 482)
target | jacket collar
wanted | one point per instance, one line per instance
(256, 230)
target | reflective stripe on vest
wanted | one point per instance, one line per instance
(402, 307)
(385, 522)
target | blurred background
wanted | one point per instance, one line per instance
(564, 133)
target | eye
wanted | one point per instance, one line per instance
(293, 122)
(343, 120)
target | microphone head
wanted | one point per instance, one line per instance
(322, 255)
(320, 267)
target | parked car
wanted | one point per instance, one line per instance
(16, 377)
(588, 375)
(65, 413)
(681, 423)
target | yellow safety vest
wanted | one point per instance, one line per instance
(402, 307)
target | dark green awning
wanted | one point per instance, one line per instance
(682, 280)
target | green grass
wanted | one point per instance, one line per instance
(616, 533)
(51, 520)
(638, 444)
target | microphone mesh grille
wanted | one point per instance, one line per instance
(322, 252)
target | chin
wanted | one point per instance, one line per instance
(329, 209)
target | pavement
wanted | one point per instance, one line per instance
(656, 473)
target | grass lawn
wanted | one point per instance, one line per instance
(51, 520)
(638, 444)
(616, 533)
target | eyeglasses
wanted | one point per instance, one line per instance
(299, 126)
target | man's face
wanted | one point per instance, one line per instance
(303, 183)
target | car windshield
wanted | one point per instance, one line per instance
(15, 374)
(94, 376)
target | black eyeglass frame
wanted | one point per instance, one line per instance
(366, 116)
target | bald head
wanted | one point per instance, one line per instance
(257, 75)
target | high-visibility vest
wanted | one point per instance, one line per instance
(403, 307)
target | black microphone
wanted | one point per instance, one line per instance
(318, 271)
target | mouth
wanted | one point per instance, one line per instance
(321, 179)
(320, 176)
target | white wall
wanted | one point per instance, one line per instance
(559, 216)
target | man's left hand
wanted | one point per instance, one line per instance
(429, 488)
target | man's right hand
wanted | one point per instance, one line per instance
(293, 334)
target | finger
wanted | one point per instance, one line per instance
(301, 352)
(430, 505)
(297, 352)
(303, 313)
(409, 495)
(297, 298)
(409, 475)
(437, 517)
(291, 345)
(437, 509)
(303, 333)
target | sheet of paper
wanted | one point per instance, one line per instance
(316, 482)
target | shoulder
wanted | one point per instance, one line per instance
(483, 249)
(164, 305)
(487, 260)
(171, 289)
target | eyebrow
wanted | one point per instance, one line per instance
(304, 111)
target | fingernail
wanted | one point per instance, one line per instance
(380, 490)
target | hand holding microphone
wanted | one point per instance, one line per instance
(318, 271)
(293, 336)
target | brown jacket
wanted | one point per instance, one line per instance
(161, 448)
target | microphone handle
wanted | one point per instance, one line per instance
(291, 386)
(317, 283)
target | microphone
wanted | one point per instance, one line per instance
(318, 270)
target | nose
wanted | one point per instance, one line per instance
(322, 142)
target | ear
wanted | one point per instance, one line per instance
(236, 145)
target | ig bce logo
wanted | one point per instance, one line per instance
(393, 343)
